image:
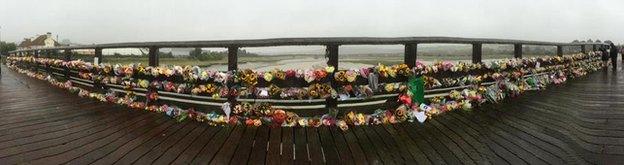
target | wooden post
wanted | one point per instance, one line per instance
(517, 50)
(594, 48)
(559, 50)
(232, 66)
(476, 53)
(331, 52)
(232, 58)
(36, 53)
(153, 56)
(67, 53)
(584, 48)
(411, 54)
(98, 55)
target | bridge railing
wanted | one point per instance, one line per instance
(332, 54)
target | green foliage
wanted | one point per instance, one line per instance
(6, 47)
(199, 54)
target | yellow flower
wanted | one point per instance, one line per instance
(329, 69)
(268, 76)
(389, 87)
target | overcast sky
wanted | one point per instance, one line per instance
(106, 21)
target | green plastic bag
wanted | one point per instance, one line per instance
(416, 86)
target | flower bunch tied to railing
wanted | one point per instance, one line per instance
(472, 85)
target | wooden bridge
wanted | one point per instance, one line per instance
(579, 122)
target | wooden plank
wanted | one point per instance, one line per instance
(315, 150)
(242, 153)
(274, 146)
(329, 147)
(352, 150)
(288, 141)
(479, 142)
(113, 151)
(131, 132)
(403, 140)
(454, 149)
(424, 146)
(148, 151)
(191, 152)
(35, 147)
(226, 152)
(462, 143)
(366, 145)
(259, 152)
(301, 147)
(181, 145)
(208, 152)
(68, 143)
(399, 152)
(387, 156)
(492, 143)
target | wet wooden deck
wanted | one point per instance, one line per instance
(581, 122)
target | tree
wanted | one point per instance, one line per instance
(195, 53)
(575, 41)
(598, 41)
(590, 40)
(5, 47)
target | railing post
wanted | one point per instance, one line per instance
(411, 54)
(36, 53)
(153, 56)
(584, 48)
(594, 48)
(476, 52)
(331, 52)
(67, 53)
(232, 58)
(517, 50)
(559, 50)
(98, 56)
(232, 67)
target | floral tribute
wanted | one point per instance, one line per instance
(505, 78)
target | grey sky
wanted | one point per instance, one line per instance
(108, 21)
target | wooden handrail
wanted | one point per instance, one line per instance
(311, 41)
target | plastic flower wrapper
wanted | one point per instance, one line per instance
(342, 125)
(279, 74)
(143, 83)
(248, 77)
(329, 69)
(320, 74)
(274, 90)
(328, 120)
(290, 74)
(351, 75)
(268, 77)
(401, 113)
(314, 122)
(152, 95)
(309, 76)
(340, 76)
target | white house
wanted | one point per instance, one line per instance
(40, 41)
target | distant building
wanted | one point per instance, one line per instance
(40, 41)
